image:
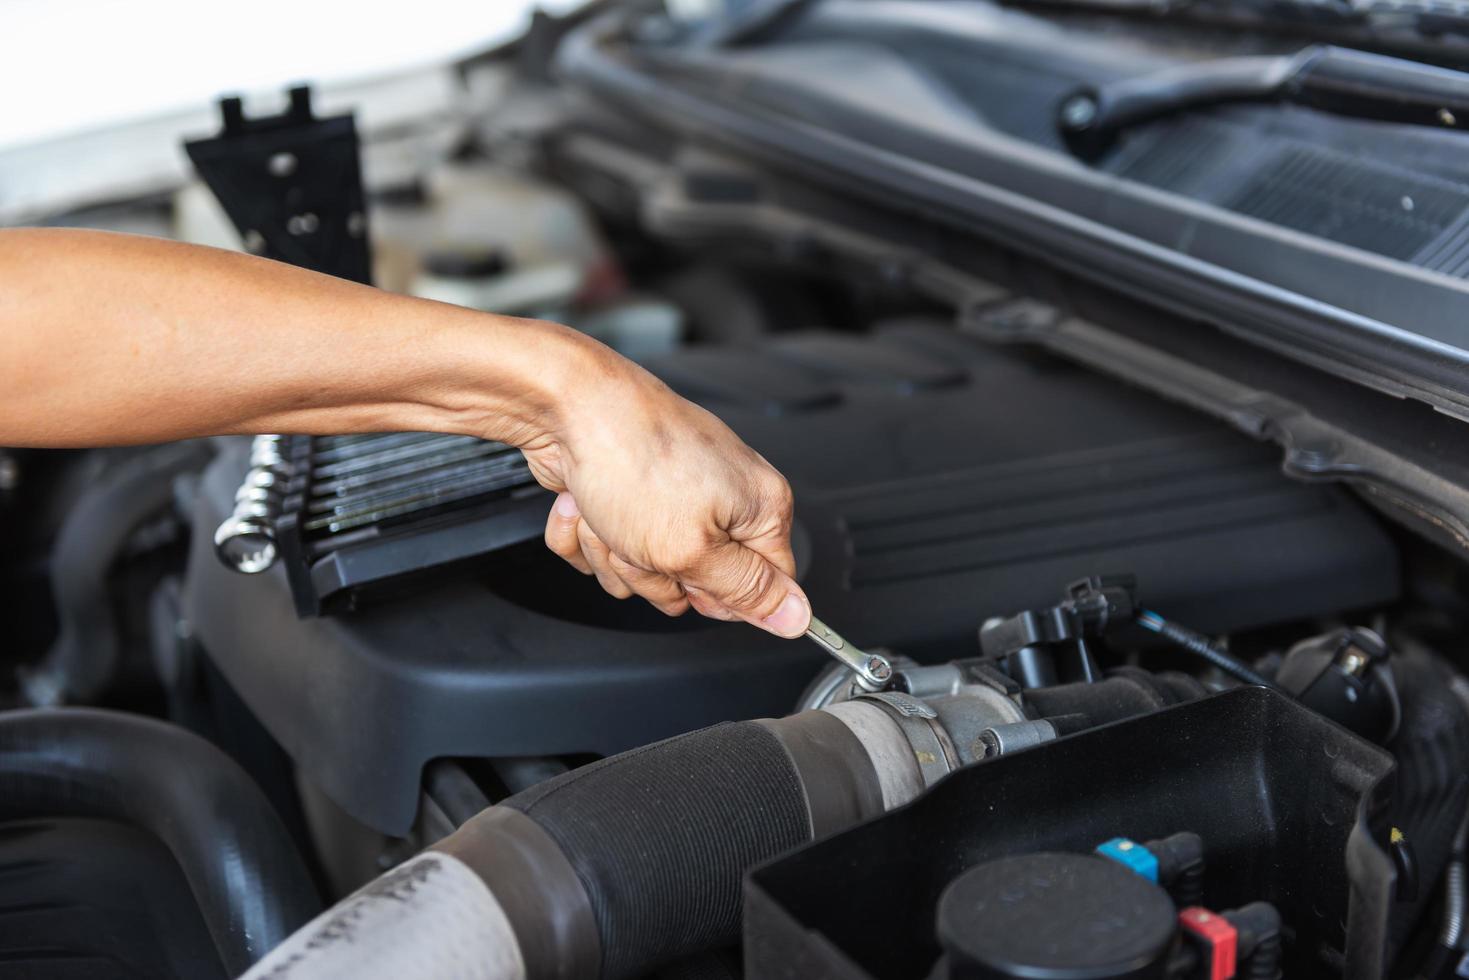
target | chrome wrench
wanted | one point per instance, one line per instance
(873, 672)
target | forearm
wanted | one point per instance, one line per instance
(109, 339)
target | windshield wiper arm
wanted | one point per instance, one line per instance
(1338, 80)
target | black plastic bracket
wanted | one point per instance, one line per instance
(1027, 644)
(291, 184)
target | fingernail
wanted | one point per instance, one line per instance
(566, 505)
(791, 619)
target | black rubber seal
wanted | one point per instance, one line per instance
(536, 886)
(840, 781)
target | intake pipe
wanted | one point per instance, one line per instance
(616, 867)
(621, 866)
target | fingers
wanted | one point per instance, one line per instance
(747, 584)
(705, 606)
(599, 557)
(736, 579)
(661, 590)
(569, 536)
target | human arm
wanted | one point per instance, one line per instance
(109, 339)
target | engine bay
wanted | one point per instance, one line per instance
(908, 501)
(1174, 619)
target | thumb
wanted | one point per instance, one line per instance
(748, 585)
(561, 532)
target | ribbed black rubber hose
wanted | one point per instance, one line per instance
(618, 868)
(661, 837)
(241, 865)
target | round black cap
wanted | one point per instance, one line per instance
(466, 262)
(1055, 917)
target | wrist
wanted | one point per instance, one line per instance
(605, 401)
(528, 383)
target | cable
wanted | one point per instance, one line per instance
(1202, 646)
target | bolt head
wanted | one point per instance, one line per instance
(281, 164)
(1079, 112)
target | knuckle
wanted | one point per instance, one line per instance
(615, 587)
(785, 504)
(776, 501)
(657, 589)
(779, 492)
(588, 540)
(623, 567)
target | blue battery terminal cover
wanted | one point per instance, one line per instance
(1131, 855)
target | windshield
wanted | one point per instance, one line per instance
(1310, 196)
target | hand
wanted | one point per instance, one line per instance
(657, 497)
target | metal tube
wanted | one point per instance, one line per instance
(411, 450)
(343, 484)
(335, 523)
(329, 449)
(387, 495)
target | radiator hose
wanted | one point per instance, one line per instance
(243, 869)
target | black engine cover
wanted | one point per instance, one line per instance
(938, 481)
